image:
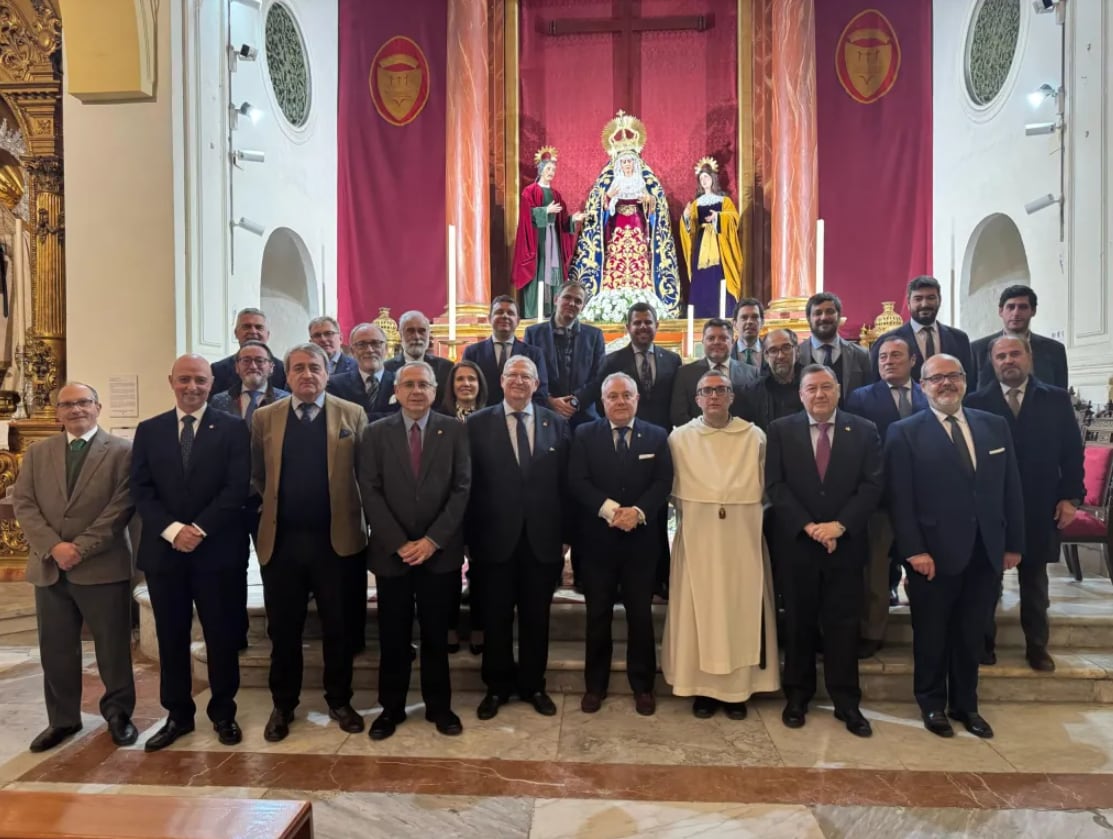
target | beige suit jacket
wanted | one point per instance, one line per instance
(345, 423)
(95, 517)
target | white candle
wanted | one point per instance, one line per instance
(819, 240)
(542, 293)
(722, 298)
(691, 331)
(451, 282)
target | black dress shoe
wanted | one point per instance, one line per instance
(645, 704)
(51, 737)
(868, 648)
(1038, 659)
(936, 723)
(794, 716)
(704, 707)
(386, 723)
(488, 709)
(447, 723)
(856, 724)
(278, 726)
(988, 658)
(591, 702)
(228, 732)
(974, 723)
(476, 649)
(453, 648)
(167, 735)
(122, 731)
(735, 710)
(894, 598)
(542, 704)
(348, 717)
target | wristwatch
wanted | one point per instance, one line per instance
(574, 402)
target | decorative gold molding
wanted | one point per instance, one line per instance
(512, 119)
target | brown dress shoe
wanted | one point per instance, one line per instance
(645, 704)
(1038, 659)
(591, 702)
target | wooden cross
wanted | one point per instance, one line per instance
(624, 23)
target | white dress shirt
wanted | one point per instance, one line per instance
(512, 427)
(607, 510)
(813, 427)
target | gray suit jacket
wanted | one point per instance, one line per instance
(402, 507)
(684, 407)
(95, 517)
(856, 368)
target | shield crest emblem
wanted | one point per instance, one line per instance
(867, 57)
(399, 80)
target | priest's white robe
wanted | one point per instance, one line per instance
(721, 585)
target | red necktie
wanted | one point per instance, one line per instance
(415, 449)
(822, 449)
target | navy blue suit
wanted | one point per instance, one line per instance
(875, 403)
(655, 404)
(344, 364)
(587, 361)
(1049, 455)
(210, 493)
(349, 386)
(514, 530)
(948, 340)
(224, 375)
(612, 558)
(966, 524)
(1049, 361)
(483, 354)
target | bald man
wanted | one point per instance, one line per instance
(190, 473)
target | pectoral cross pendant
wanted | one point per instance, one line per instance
(722, 512)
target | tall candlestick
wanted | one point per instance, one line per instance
(542, 293)
(451, 282)
(819, 238)
(722, 298)
(691, 331)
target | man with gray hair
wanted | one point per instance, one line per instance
(620, 473)
(369, 383)
(250, 325)
(324, 331)
(413, 327)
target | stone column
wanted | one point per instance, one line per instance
(468, 151)
(795, 199)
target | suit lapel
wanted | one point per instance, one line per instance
(278, 432)
(401, 445)
(56, 460)
(430, 445)
(842, 439)
(97, 452)
(332, 429)
(803, 431)
(885, 397)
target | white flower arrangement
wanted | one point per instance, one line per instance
(611, 305)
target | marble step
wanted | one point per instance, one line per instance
(17, 609)
(1085, 677)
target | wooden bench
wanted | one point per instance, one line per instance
(67, 815)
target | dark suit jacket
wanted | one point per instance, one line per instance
(654, 406)
(503, 501)
(441, 369)
(1048, 455)
(849, 492)
(948, 340)
(643, 479)
(856, 370)
(587, 361)
(938, 510)
(483, 354)
(875, 403)
(1049, 362)
(344, 364)
(210, 493)
(684, 408)
(401, 507)
(228, 400)
(349, 386)
(224, 375)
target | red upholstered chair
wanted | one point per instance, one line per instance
(1094, 523)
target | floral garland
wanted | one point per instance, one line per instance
(612, 304)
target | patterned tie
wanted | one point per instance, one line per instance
(904, 406)
(372, 389)
(415, 449)
(822, 449)
(306, 415)
(187, 439)
(1013, 398)
(252, 404)
(645, 373)
(929, 342)
(749, 355)
(524, 453)
(827, 355)
(959, 439)
(621, 446)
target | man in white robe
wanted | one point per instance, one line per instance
(720, 640)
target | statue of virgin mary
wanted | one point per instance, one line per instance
(626, 243)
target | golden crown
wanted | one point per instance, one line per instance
(710, 162)
(624, 133)
(545, 154)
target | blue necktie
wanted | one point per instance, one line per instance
(187, 439)
(253, 403)
(826, 355)
(524, 453)
(621, 446)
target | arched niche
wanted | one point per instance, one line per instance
(288, 288)
(994, 258)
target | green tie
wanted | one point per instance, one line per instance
(75, 456)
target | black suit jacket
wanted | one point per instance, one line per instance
(349, 386)
(948, 340)
(683, 406)
(401, 507)
(210, 493)
(1049, 361)
(224, 375)
(442, 367)
(856, 370)
(849, 492)
(504, 502)
(654, 406)
(643, 479)
(483, 354)
(1048, 454)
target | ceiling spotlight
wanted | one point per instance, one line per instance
(249, 225)
(1042, 203)
(248, 156)
(1042, 7)
(246, 109)
(1042, 93)
(1034, 129)
(246, 52)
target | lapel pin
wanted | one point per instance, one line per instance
(545, 423)
(847, 428)
(440, 431)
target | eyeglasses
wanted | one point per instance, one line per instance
(518, 377)
(248, 361)
(418, 385)
(717, 390)
(620, 397)
(76, 403)
(779, 349)
(332, 333)
(939, 378)
(366, 345)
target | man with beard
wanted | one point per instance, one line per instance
(777, 393)
(924, 333)
(958, 516)
(251, 325)
(1017, 307)
(325, 333)
(718, 338)
(370, 385)
(413, 326)
(491, 355)
(1049, 454)
(749, 315)
(850, 362)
